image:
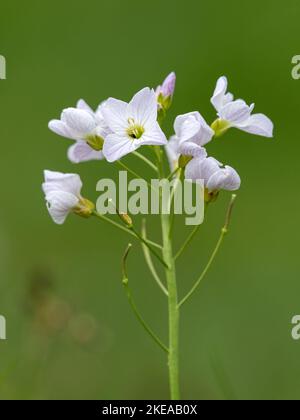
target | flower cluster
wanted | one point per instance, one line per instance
(118, 128)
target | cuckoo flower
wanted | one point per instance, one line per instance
(191, 133)
(63, 196)
(215, 176)
(192, 127)
(132, 125)
(187, 149)
(83, 125)
(236, 113)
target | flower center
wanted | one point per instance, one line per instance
(134, 131)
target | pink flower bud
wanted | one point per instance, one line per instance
(168, 87)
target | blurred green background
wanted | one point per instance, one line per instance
(71, 334)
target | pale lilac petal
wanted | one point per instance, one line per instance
(236, 112)
(81, 122)
(99, 113)
(224, 179)
(154, 136)
(258, 124)
(57, 181)
(168, 87)
(192, 149)
(143, 108)
(172, 151)
(187, 126)
(192, 127)
(60, 204)
(115, 147)
(82, 152)
(81, 104)
(219, 96)
(115, 115)
(60, 128)
(199, 168)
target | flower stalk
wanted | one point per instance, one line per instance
(116, 129)
(173, 360)
(125, 282)
(224, 231)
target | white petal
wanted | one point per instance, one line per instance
(115, 115)
(115, 147)
(59, 204)
(219, 98)
(258, 124)
(99, 113)
(186, 126)
(224, 179)
(236, 112)
(57, 181)
(60, 128)
(199, 168)
(228, 98)
(81, 122)
(172, 151)
(81, 104)
(192, 149)
(143, 108)
(154, 136)
(82, 152)
(193, 127)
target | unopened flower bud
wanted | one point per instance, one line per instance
(168, 87)
(123, 216)
(126, 219)
(164, 94)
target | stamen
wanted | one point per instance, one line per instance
(134, 131)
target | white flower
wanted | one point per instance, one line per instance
(82, 124)
(133, 125)
(215, 176)
(174, 150)
(80, 151)
(192, 127)
(191, 133)
(63, 196)
(236, 113)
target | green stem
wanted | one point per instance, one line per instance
(146, 160)
(172, 174)
(173, 361)
(145, 242)
(224, 231)
(149, 262)
(187, 242)
(125, 283)
(189, 238)
(173, 309)
(172, 215)
(136, 175)
(124, 229)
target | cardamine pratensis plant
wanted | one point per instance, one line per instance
(117, 129)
